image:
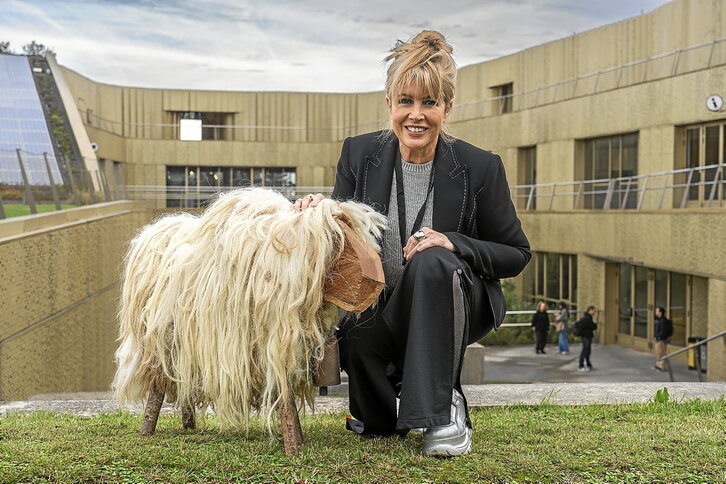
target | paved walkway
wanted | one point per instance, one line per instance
(515, 374)
(612, 363)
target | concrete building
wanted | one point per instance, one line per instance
(613, 139)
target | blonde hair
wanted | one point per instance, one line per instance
(227, 308)
(425, 61)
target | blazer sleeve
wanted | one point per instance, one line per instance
(500, 248)
(344, 178)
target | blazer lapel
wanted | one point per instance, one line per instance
(450, 190)
(379, 175)
(450, 183)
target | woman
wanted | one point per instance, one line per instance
(561, 317)
(540, 325)
(453, 233)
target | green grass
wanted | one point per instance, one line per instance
(19, 209)
(656, 442)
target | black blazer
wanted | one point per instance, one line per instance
(472, 203)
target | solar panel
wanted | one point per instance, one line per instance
(23, 125)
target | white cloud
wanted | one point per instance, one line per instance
(282, 45)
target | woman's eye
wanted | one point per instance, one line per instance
(429, 102)
(405, 101)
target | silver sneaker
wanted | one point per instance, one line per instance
(453, 438)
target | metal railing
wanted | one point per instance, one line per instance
(694, 347)
(31, 179)
(194, 197)
(705, 185)
(660, 66)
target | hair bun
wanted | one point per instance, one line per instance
(433, 40)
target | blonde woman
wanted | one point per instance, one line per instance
(452, 235)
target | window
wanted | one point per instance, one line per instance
(504, 93)
(704, 156)
(528, 176)
(193, 186)
(552, 278)
(198, 126)
(606, 161)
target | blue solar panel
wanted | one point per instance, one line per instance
(22, 125)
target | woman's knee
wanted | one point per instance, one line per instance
(433, 261)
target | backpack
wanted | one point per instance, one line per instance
(668, 328)
(577, 328)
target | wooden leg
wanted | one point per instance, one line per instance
(290, 424)
(151, 414)
(188, 421)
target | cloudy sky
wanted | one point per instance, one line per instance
(286, 45)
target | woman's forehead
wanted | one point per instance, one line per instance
(415, 89)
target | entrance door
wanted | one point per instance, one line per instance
(640, 291)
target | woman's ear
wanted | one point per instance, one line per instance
(388, 102)
(448, 109)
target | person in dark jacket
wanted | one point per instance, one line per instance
(586, 328)
(452, 234)
(663, 333)
(540, 325)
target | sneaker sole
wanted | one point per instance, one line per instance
(451, 447)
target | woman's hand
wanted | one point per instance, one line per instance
(308, 200)
(431, 238)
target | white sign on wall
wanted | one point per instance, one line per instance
(190, 129)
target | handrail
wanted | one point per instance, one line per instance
(629, 192)
(722, 334)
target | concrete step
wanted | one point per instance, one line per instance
(89, 404)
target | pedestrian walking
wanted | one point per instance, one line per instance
(540, 325)
(663, 334)
(561, 318)
(585, 329)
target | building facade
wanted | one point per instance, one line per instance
(613, 140)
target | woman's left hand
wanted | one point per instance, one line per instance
(432, 239)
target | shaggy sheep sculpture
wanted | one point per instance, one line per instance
(227, 308)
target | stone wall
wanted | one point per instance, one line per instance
(58, 297)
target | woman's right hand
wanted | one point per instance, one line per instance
(308, 201)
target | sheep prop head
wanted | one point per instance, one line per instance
(226, 308)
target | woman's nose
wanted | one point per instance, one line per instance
(415, 112)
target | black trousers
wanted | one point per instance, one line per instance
(585, 353)
(408, 345)
(541, 339)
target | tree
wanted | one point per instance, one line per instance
(5, 47)
(35, 48)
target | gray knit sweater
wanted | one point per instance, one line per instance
(415, 184)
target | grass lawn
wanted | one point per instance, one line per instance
(18, 209)
(655, 442)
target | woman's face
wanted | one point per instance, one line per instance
(541, 307)
(417, 121)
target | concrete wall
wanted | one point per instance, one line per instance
(58, 297)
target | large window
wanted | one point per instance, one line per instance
(192, 186)
(23, 126)
(641, 290)
(528, 176)
(552, 278)
(505, 93)
(607, 159)
(705, 150)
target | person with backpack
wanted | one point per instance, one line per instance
(663, 333)
(585, 329)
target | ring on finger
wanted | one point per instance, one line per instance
(419, 236)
